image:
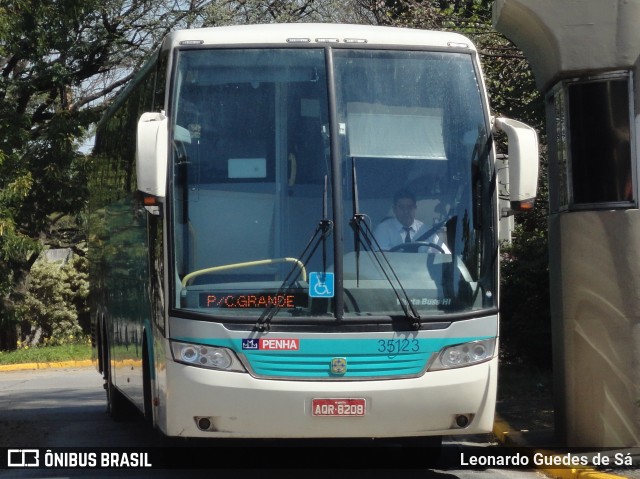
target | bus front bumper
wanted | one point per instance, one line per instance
(208, 403)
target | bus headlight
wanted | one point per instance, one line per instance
(465, 354)
(211, 357)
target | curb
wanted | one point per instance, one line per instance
(506, 435)
(49, 365)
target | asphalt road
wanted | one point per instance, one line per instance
(65, 408)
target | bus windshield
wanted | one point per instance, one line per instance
(330, 182)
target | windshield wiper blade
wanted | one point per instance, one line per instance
(388, 271)
(356, 218)
(320, 235)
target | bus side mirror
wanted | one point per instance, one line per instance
(523, 163)
(151, 154)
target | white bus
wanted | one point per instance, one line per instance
(240, 288)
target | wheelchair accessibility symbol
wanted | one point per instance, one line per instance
(321, 285)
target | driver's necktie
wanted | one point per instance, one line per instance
(407, 238)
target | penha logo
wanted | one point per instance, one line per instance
(249, 343)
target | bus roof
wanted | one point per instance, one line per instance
(316, 33)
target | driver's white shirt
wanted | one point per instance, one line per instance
(391, 233)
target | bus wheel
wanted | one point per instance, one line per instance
(146, 384)
(117, 404)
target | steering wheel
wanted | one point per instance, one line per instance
(414, 246)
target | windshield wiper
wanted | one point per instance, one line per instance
(362, 230)
(320, 235)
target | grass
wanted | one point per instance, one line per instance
(66, 352)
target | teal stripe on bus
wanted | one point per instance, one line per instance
(365, 357)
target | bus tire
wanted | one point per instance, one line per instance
(117, 404)
(146, 384)
(96, 345)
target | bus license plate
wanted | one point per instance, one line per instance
(340, 407)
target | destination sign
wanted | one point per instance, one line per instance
(252, 300)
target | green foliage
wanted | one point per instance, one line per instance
(54, 309)
(267, 11)
(76, 351)
(525, 333)
(61, 63)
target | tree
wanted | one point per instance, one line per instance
(62, 62)
(276, 11)
(54, 309)
(59, 63)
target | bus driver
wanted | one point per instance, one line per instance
(404, 227)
